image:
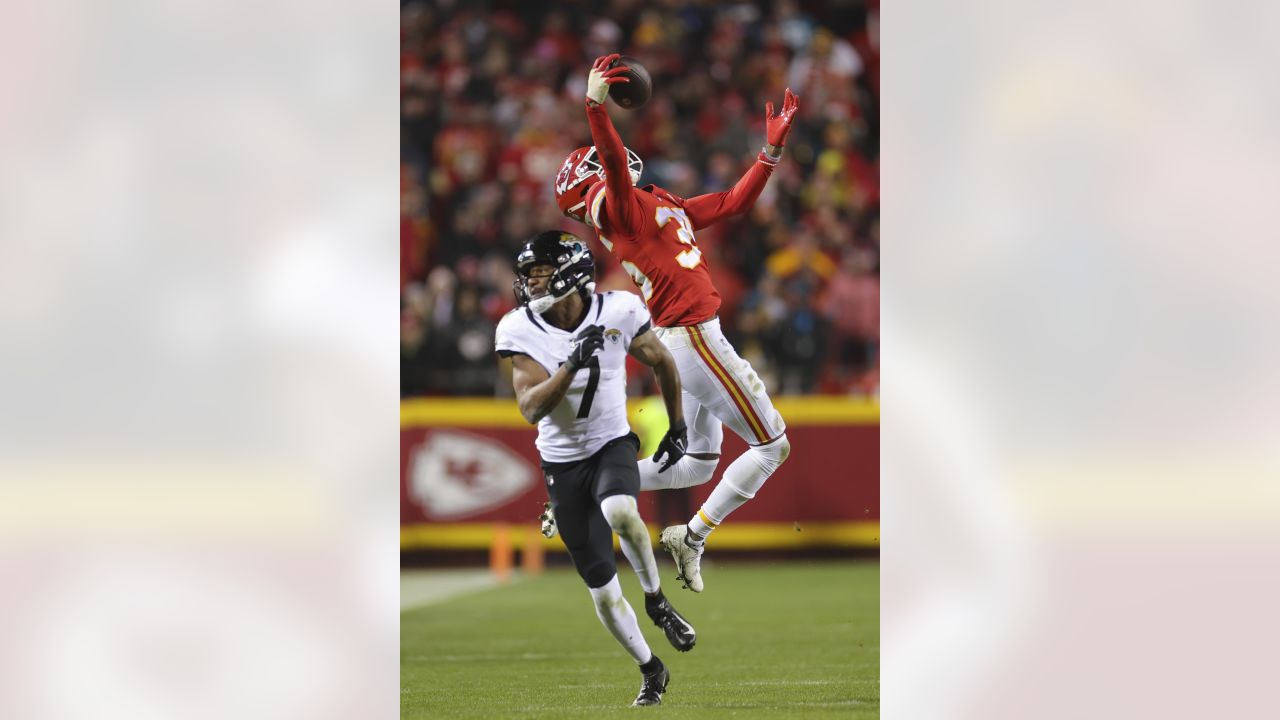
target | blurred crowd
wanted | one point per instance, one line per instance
(492, 102)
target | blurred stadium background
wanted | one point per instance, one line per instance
(491, 103)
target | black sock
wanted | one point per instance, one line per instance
(652, 666)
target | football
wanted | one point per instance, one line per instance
(631, 95)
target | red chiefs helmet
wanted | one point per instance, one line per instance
(580, 171)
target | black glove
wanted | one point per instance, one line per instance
(672, 445)
(589, 341)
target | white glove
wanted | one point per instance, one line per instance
(602, 76)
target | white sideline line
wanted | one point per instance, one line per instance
(419, 588)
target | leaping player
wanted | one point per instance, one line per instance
(651, 233)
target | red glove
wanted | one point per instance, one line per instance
(777, 127)
(602, 76)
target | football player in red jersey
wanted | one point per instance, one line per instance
(651, 232)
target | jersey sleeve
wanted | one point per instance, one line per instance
(595, 204)
(602, 216)
(638, 321)
(506, 338)
(706, 210)
(621, 212)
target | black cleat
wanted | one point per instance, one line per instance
(654, 684)
(679, 632)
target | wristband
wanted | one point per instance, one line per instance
(768, 159)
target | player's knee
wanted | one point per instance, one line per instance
(767, 458)
(773, 454)
(691, 471)
(621, 513)
(618, 519)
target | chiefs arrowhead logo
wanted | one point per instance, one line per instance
(454, 474)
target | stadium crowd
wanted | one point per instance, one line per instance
(492, 102)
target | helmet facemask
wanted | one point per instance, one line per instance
(574, 271)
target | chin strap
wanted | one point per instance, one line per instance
(544, 303)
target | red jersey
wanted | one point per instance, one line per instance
(651, 231)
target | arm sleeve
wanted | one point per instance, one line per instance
(706, 210)
(505, 342)
(638, 316)
(621, 210)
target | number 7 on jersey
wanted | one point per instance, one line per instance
(593, 381)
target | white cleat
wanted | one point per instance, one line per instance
(548, 519)
(687, 558)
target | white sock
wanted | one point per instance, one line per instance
(616, 614)
(623, 516)
(687, 472)
(740, 482)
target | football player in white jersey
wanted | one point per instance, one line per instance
(568, 346)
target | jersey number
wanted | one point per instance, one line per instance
(640, 279)
(689, 258)
(593, 380)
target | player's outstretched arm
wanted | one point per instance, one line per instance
(620, 207)
(537, 393)
(646, 348)
(705, 210)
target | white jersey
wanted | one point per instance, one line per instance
(594, 410)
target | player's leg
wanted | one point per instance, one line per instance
(616, 615)
(623, 517)
(615, 612)
(616, 486)
(702, 453)
(589, 540)
(729, 389)
(739, 398)
(741, 481)
(705, 432)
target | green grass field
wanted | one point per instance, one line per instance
(788, 639)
